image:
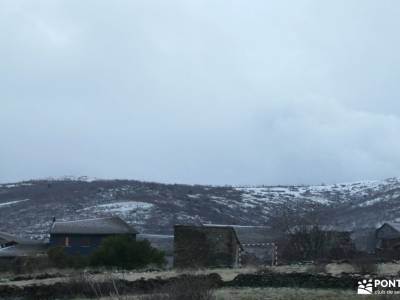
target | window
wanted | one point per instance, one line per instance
(85, 242)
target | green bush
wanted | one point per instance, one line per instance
(126, 253)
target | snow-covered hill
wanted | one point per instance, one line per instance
(323, 194)
(28, 207)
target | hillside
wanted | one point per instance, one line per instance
(28, 207)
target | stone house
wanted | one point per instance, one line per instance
(206, 246)
(388, 240)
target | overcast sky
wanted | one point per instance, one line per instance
(219, 92)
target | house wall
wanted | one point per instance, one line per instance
(340, 239)
(364, 239)
(82, 244)
(387, 242)
(205, 247)
(390, 243)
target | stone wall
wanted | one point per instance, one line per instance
(198, 246)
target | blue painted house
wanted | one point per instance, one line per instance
(84, 236)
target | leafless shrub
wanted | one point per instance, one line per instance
(82, 284)
(85, 285)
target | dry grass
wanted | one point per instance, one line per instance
(226, 274)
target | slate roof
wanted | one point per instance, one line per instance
(395, 226)
(251, 234)
(7, 237)
(20, 250)
(109, 225)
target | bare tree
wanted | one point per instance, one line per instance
(304, 233)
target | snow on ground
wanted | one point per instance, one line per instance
(217, 198)
(125, 206)
(370, 202)
(255, 195)
(121, 207)
(323, 194)
(14, 185)
(194, 196)
(4, 204)
(72, 178)
(140, 210)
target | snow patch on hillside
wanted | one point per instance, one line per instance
(125, 206)
(121, 207)
(72, 178)
(139, 211)
(14, 185)
(4, 204)
(321, 194)
(194, 196)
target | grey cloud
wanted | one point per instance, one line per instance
(235, 92)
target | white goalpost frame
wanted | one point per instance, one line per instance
(274, 260)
